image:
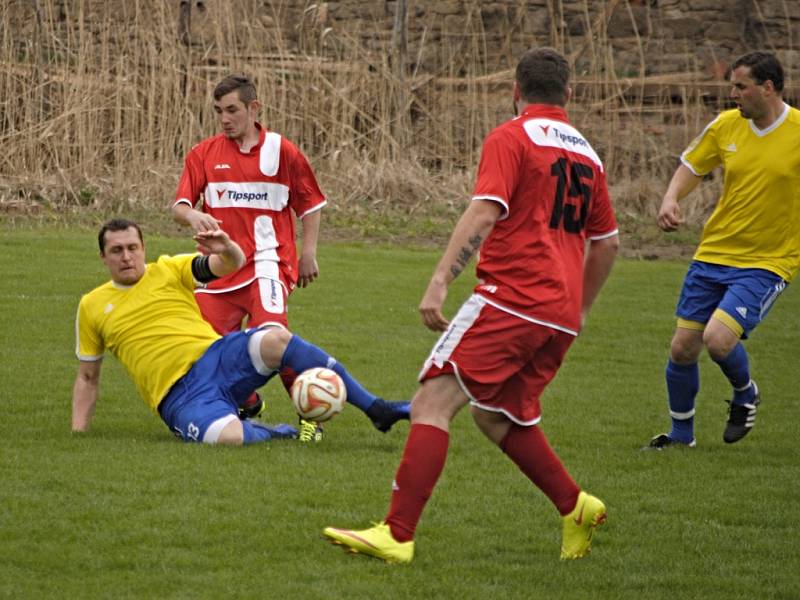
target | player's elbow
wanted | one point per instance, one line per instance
(604, 251)
(612, 244)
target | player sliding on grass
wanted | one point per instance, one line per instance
(750, 248)
(147, 317)
(540, 195)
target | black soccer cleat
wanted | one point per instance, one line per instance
(384, 414)
(741, 418)
(252, 407)
(663, 441)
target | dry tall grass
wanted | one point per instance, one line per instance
(100, 101)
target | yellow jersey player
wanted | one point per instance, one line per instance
(750, 246)
(196, 380)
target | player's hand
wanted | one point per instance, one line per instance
(200, 221)
(307, 270)
(430, 308)
(669, 215)
(212, 242)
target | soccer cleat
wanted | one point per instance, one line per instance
(662, 441)
(384, 414)
(577, 528)
(376, 541)
(741, 418)
(252, 408)
(310, 431)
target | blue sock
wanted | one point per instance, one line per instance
(683, 382)
(255, 432)
(300, 355)
(736, 368)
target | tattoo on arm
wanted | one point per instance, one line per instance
(465, 254)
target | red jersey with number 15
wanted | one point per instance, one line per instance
(552, 187)
(254, 195)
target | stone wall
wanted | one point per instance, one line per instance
(647, 37)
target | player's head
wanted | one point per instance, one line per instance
(542, 77)
(236, 105)
(122, 250)
(763, 67)
(756, 83)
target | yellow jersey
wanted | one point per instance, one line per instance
(154, 327)
(756, 223)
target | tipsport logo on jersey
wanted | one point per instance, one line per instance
(257, 195)
(555, 134)
(244, 196)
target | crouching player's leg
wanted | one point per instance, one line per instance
(203, 405)
(285, 351)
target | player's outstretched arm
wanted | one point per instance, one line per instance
(84, 394)
(225, 255)
(197, 220)
(472, 229)
(600, 256)
(683, 181)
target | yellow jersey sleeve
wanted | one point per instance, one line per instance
(88, 341)
(702, 155)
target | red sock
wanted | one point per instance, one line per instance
(287, 376)
(529, 449)
(422, 463)
(252, 400)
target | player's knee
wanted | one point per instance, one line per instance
(232, 434)
(684, 349)
(493, 425)
(438, 400)
(681, 354)
(719, 340)
(718, 347)
(273, 345)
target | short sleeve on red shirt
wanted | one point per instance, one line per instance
(498, 169)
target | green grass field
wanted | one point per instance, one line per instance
(128, 512)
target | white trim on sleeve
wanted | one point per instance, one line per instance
(499, 200)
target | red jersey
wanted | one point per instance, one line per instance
(552, 187)
(252, 194)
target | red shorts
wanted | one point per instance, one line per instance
(262, 301)
(502, 361)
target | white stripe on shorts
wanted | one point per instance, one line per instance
(466, 316)
(212, 433)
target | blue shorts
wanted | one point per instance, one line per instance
(745, 296)
(213, 388)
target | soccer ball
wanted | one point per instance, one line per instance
(318, 394)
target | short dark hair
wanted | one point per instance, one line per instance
(763, 66)
(236, 83)
(542, 75)
(116, 225)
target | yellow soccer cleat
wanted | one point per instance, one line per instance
(577, 528)
(376, 541)
(309, 431)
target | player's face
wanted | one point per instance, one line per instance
(748, 95)
(235, 117)
(123, 255)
